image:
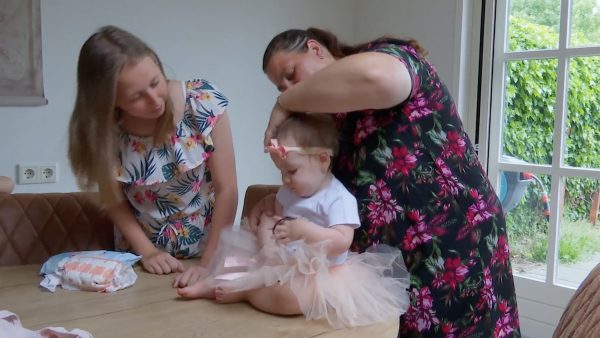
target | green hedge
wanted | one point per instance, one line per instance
(530, 102)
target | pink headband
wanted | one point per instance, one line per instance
(276, 148)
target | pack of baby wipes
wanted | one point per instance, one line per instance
(100, 271)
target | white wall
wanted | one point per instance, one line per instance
(431, 22)
(222, 41)
(441, 27)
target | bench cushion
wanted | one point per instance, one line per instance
(34, 227)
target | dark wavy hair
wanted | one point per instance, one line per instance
(295, 40)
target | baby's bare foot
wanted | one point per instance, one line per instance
(225, 297)
(200, 289)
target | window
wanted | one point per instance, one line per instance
(541, 122)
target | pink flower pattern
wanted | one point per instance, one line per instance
(382, 207)
(403, 162)
(420, 187)
(488, 298)
(366, 126)
(168, 185)
(418, 233)
(456, 145)
(453, 274)
(421, 315)
(449, 184)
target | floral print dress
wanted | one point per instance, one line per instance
(169, 186)
(421, 188)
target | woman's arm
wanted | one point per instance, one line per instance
(222, 168)
(153, 260)
(265, 206)
(369, 80)
(340, 235)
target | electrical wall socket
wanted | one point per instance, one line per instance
(27, 174)
(37, 173)
(48, 173)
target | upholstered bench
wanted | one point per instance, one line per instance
(34, 227)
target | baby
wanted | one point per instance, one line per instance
(299, 260)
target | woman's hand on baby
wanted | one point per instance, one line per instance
(278, 115)
(161, 262)
(265, 206)
(190, 276)
(267, 222)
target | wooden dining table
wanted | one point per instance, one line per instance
(152, 308)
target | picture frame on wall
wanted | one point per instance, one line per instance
(21, 81)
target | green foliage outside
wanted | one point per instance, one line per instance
(585, 16)
(530, 112)
(530, 100)
(577, 242)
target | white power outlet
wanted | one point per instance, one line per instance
(48, 173)
(27, 174)
(39, 173)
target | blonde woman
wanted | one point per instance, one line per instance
(160, 152)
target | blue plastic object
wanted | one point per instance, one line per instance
(513, 185)
(512, 189)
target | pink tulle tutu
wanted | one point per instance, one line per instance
(367, 288)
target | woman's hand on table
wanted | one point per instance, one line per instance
(190, 276)
(160, 262)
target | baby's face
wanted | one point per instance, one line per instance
(302, 174)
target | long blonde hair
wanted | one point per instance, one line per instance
(93, 128)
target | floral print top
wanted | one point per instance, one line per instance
(169, 186)
(421, 188)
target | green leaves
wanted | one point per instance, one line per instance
(530, 106)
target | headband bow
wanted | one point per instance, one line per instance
(282, 150)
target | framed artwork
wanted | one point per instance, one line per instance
(21, 82)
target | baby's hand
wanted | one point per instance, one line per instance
(289, 230)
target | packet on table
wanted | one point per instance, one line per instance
(101, 271)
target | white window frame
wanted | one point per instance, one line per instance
(540, 303)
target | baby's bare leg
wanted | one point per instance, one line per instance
(275, 299)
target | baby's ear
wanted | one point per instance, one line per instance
(324, 159)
